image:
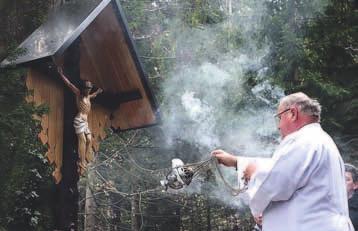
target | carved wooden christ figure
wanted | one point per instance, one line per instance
(80, 123)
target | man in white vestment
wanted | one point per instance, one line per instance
(302, 187)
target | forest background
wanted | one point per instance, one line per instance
(216, 67)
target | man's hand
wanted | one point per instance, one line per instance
(225, 158)
(258, 220)
(249, 171)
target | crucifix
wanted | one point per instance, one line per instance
(80, 122)
(77, 119)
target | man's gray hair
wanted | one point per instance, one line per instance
(353, 170)
(305, 104)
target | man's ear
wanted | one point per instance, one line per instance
(294, 113)
(355, 185)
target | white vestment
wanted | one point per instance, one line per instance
(302, 187)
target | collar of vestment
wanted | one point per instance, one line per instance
(302, 129)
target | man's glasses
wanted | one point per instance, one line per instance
(278, 115)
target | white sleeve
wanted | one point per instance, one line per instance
(278, 179)
(243, 162)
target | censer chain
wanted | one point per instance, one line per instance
(197, 166)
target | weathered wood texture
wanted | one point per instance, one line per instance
(49, 92)
(108, 63)
(98, 121)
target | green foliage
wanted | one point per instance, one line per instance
(202, 12)
(317, 54)
(25, 173)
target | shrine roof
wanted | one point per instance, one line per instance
(108, 56)
(62, 27)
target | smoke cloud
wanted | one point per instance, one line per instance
(208, 102)
(208, 99)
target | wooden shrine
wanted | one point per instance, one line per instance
(90, 40)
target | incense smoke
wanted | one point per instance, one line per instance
(208, 101)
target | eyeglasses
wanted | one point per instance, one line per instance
(278, 115)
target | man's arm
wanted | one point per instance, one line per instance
(247, 164)
(99, 91)
(225, 158)
(73, 88)
(279, 180)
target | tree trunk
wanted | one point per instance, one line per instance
(208, 215)
(90, 211)
(135, 212)
(230, 7)
(192, 213)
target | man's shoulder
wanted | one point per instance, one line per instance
(314, 135)
(312, 140)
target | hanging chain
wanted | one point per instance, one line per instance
(234, 191)
(200, 165)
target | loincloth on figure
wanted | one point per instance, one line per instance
(81, 126)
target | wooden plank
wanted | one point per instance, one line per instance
(59, 136)
(90, 57)
(52, 128)
(114, 68)
(49, 92)
(132, 115)
(138, 113)
(35, 80)
(29, 85)
(98, 121)
(89, 69)
(108, 66)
